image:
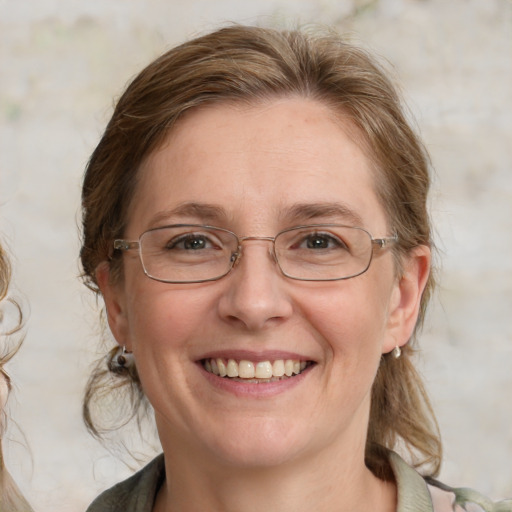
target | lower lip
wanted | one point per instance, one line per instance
(255, 389)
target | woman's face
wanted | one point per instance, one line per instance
(256, 171)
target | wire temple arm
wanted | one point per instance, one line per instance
(384, 242)
(125, 245)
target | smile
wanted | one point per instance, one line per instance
(261, 371)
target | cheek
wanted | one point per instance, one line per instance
(351, 316)
(162, 317)
(165, 324)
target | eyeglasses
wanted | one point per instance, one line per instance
(189, 253)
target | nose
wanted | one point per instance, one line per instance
(255, 296)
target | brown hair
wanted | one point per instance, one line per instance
(249, 64)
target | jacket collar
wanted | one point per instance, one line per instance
(412, 490)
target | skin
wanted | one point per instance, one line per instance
(298, 445)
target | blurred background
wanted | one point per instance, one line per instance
(63, 62)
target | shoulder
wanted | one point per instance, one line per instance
(428, 495)
(136, 494)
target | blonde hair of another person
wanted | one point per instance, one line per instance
(11, 499)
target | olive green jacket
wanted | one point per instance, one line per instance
(138, 493)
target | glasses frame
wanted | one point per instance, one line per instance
(128, 245)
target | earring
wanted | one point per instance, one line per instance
(121, 360)
(397, 352)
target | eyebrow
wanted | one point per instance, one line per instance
(297, 213)
(203, 211)
(310, 211)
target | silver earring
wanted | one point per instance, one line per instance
(121, 360)
(397, 352)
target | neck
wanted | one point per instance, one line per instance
(322, 482)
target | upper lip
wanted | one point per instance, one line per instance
(255, 356)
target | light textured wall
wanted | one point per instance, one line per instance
(62, 62)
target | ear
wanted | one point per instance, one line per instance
(406, 298)
(115, 305)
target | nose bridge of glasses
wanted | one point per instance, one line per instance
(238, 255)
(250, 238)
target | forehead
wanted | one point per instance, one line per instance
(258, 161)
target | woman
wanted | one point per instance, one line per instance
(11, 499)
(255, 220)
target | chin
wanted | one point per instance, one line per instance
(263, 444)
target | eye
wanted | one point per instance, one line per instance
(321, 241)
(191, 242)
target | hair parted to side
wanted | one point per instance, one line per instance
(252, 65)
(11, 499)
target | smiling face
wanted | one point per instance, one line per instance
(257, 171)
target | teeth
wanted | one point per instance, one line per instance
(232, 368)
(288, 367)
(248, 370)
(263, 370)
(278, 368)
(222, 368)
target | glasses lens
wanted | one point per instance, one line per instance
(323, 253)
(187, 253)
